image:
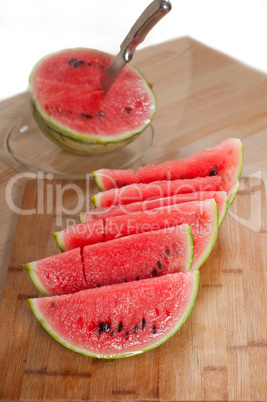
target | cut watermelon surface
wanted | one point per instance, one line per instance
(139, 256)
(80, 235)
(202, 216)
(162, 189)
(59, 274)
(72, 109)
(119, 320)
(136, 207)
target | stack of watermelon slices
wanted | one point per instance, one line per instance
(128, 277)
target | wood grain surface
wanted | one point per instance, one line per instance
(220, 352)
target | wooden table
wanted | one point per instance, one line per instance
(220, 353)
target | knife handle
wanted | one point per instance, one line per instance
(147, 20)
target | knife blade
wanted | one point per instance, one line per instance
(147, 20)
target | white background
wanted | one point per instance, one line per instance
(30, 29)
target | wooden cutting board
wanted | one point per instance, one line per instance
(220, 352)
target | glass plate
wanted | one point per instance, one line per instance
(31, 148)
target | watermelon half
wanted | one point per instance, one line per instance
(72, 109)
(119, 320)
(136, 207)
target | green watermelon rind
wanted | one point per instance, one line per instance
(233, 193)
(66, 344)
(191, 245)
(213, 239)
(96, 200)
(60, 241)
(32, 270)
(97, 177)
(240, 166)
(224, 210)
(74, 141)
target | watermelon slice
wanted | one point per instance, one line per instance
(127, 259)
(71, 108)
(80, 235)
(202, 216)
(136, 207)
(119, 320)
(139, 256)
(59, 274)
(160, 189)
(109, 178)
(225, 160)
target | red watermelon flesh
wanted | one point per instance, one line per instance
(201, 216)
(67, 87)
(162, 189)
(224, 159)
(119, 320)
(59, 274)
(138, 256)
(80, 235)
(111, 178)
(136, 207)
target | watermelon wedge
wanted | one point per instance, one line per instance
(139, 256)
(80, 235)
(162, 189)
(224, 159)
(72, 109)
(119, 320)
(202, 216)
(110, 178)
(127, 259)
(59, 274)
(136, 207)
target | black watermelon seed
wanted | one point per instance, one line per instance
(143, 323)
(71, 61)
(154, 329)
(101, 113)
(101, 328)
(116, 185)
(159, 265)
(120, 328)
(125, 280)
(127, 335)
(124, 185)
(107, 326)
(214, 171)
(138, 279)
(89, 64)
(167, 251)
(128, 110)
(98, 286)
(87, 116)
(154, 272)
(53, 304)
(135, 329)
(78, 63)
(112, 333)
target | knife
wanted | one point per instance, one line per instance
(147, 20)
